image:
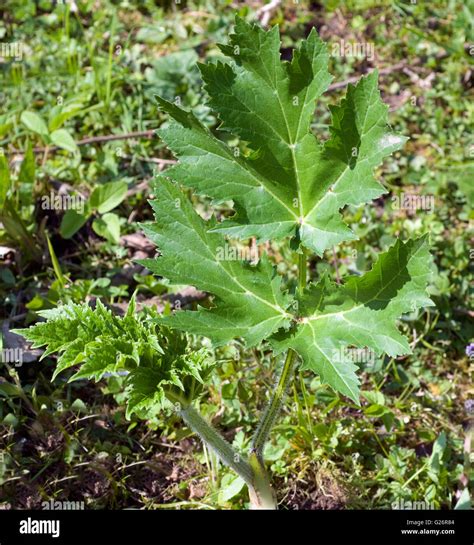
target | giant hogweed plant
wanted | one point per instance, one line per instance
(287, 185)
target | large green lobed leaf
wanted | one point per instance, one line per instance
(249, 300)
(290, 185)
(361, 313)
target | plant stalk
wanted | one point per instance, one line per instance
(214, 440)
(273, 408)
(302, 271)
(252, 472)
(261, 493)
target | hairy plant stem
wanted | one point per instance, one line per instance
(261, 495)
(253, 471)
(260, 491)
(214, 440)
(302, 271)
(273, 408)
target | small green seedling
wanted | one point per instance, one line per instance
(285, 184)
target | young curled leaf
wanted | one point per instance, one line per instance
(160, 366)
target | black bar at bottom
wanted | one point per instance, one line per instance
(133, 527)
